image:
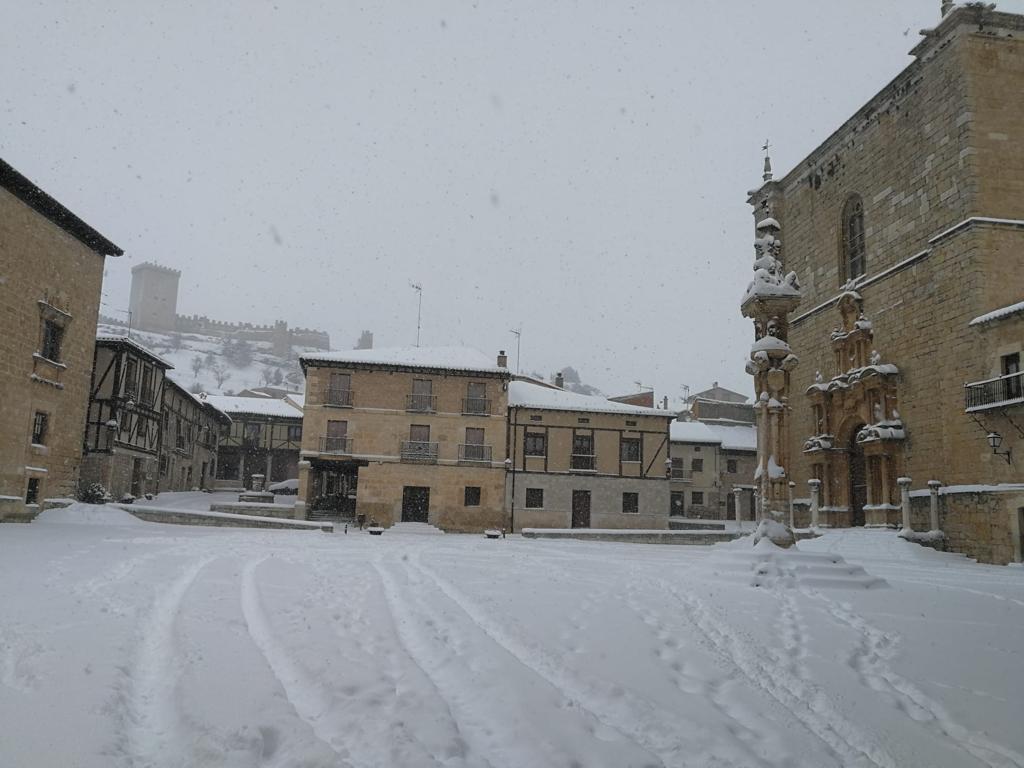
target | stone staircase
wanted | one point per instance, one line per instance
(418, 529)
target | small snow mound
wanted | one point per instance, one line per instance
(87, 514)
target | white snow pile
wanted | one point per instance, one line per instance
(156, 645)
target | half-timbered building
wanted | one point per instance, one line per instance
(263, 438)
(122, 429)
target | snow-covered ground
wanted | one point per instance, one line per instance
(125, 643)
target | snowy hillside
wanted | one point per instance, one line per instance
(217, 366)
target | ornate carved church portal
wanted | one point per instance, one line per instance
(857, 449)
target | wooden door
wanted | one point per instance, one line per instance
(581, 509)
(858, 481)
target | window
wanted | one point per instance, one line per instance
(252, 432)
(32, 494)
(147, 384)
(1011, 367)
(131, 373)
(163, 466)
(534, 498)
(730, 466)
(179, 434)
(422, 397)
(53, 334)
(582, 451)
(295, 433)
(475, 450)
(39, 424)
(476, 398)
(339, 389)
(697, 497)
(419, 433)
(630, 423)
(583, 420)
(696, 465)
(630, 503)
(852, 247)
(629, 449)
(535, 444)
(472, 496)
(536, 418)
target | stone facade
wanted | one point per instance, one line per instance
(407, 437)
(986, 525)
(904, 227)
(52, 273)
(584, 462)
(190, 437)
(710, 479)
(153, 300)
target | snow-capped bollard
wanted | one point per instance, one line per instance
(904, 484)
(933, 490)
(736, 507)
(814, 484)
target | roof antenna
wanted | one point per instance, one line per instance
(518, 333)
(418, 287)
(767, 162)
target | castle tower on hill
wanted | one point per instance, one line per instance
(154, 297)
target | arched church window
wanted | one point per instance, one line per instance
(852, 247)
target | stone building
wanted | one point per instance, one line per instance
(713, 468)
(905, 228)
(413, 434)
(263, 438)
(190, 437)
(153, 300)
(122, 427)
(49, 302)
(582, 461)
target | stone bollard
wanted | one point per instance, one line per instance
(815, 485)
(257, 482)
(792, 524)
(933, 490)
(737, 507)
(904, 484)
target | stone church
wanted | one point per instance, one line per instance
(906, 231)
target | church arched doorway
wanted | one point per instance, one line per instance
(858, 480)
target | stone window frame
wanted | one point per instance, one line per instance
(52, 317)
(630, 503)
(697, 498)
(32, 490)
(731, 466)
(40, 427)
(534, 498)
(852, 240)
(471, 496)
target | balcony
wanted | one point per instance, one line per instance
(421, 403)
(681, 475)
(339, 446)
(994, 393)
(476, 406)
(338, 396)
(583, 462)
(419, 452)
(474, 454)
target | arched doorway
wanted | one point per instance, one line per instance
(858, 480)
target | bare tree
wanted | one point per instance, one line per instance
(267, 376)
(220, 373)
(197, 365)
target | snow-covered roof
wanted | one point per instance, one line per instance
(441, 358)
(998, 314)
(296, 398)
(738, 438)
(111, 338)
(254, 406)
(524, 394)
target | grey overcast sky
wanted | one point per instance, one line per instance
(576, 168)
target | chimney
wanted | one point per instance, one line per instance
(502, 359)
(714, 385)
(559, 380)
(665, 401)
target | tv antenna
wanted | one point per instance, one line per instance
(518, 333)
(418, 287)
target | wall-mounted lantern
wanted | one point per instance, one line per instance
(994, 441)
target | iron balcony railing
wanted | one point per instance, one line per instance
(415, 450)
(336, 445)
(476, 406)
(583, 461)
(341, 396)
(421, 403)
(472, 453)
(994, 393)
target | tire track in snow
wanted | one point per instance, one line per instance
(154, 733)
(312, 702)
(633, 717)
(803, 699)
(872, 660)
